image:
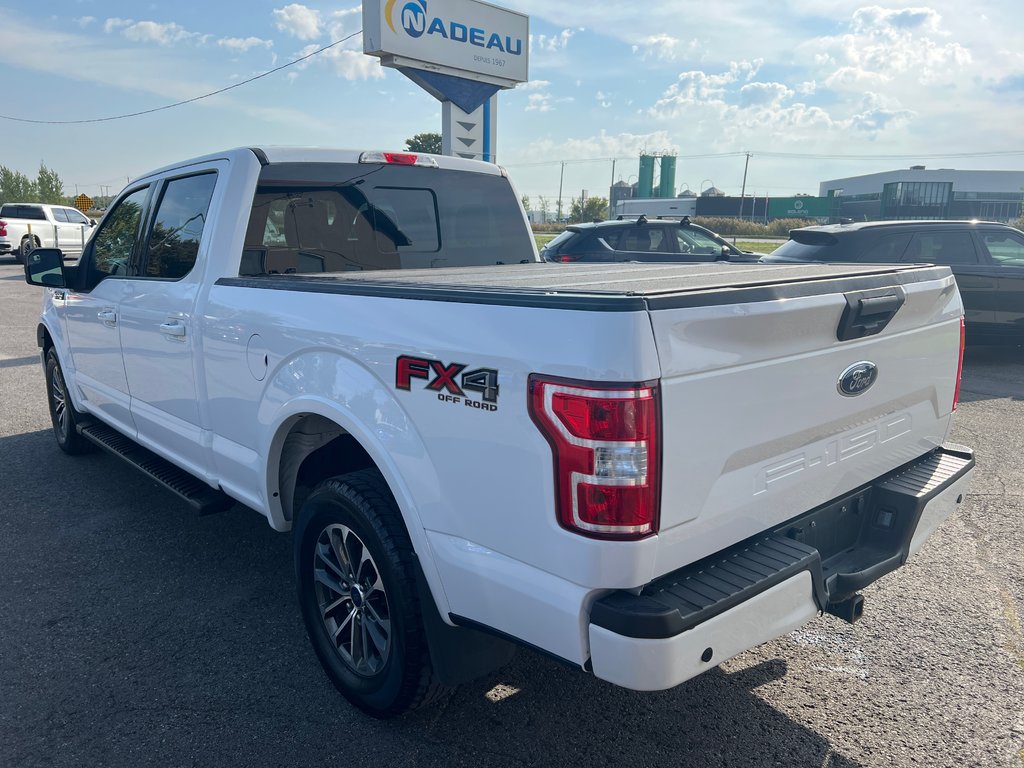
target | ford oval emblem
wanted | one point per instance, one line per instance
(857, 379)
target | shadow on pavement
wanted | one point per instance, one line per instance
(136, 633)
(16, 362)
(992, 372)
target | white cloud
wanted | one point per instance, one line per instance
(242, 45)
(85, 21)
(539, 102)
(163, 73)
(661, 47)
(603, 99)
(346, 62)
(533, 85)
(345, 22)
(602, 145)
(161, 33)
(894, 48)
(545, 102)
(873, 19)
(551, 43)
(764, 94)
(353, 65)
(695, 86)
(298, 20)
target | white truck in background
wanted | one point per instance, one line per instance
(640, 469)
(24, 226)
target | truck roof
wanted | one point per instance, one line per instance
(284, 154)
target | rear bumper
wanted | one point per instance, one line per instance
(699, 616)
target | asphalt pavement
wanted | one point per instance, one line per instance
(133, 633)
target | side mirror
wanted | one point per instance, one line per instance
(92, 222)
(45, 267)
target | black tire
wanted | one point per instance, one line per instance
(364, 620)
(28, 244)
(63, 416)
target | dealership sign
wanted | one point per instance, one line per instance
(462, 38)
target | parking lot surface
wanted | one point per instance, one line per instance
(133, 633)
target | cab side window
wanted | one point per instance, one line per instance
(1006, 249)
(886, 250)
(178, 226)
(941, 248)
(114, 243)
(59, 215)
(76, 217)
(644, 239)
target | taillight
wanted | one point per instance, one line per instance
(398, 158)
(3, 229)
(606, 454)
(959, 365)
(565, 258)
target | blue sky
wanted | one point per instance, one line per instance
(813, 90)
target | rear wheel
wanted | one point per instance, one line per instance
(28, 244)
(357, 591)
(63, 416)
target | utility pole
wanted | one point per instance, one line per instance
(743, 191)
(561, 177)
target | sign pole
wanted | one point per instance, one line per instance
(461, 52)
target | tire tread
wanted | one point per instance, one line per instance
(368, 491)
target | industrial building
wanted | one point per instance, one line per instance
(911, 193)
(658, 198)
(920, 193)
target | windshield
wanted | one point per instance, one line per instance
(335, 217)
(697, 241)
(558, 240)
(792, 250)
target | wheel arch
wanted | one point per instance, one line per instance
(314, 438)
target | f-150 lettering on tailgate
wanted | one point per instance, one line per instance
(827, 453)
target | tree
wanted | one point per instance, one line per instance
(589, 209)
(16, 187)
(525, 200)
(49, 187)
(544, 206)
(425, 142)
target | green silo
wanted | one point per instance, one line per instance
(645, 184)
(667, 184)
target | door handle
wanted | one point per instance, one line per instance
(108, 316)
(174, 328)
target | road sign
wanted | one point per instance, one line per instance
(83, 203)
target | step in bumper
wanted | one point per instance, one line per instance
(692, 619)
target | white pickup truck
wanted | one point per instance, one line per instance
(639, 469)
(24, 226)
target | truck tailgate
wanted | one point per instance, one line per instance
(756, 429)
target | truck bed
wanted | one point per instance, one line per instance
(622, 287)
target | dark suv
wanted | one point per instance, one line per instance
(641, 239)
(986, 258)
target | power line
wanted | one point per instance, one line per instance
(186, 101)
(904, 156)
(783, 155)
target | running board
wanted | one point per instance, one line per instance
(197, 494)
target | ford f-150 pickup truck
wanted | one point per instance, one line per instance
(639, 469)
(24, 226)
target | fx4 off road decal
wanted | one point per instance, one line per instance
(451, 382)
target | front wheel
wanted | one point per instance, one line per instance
(63, 415)
(357, 590)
